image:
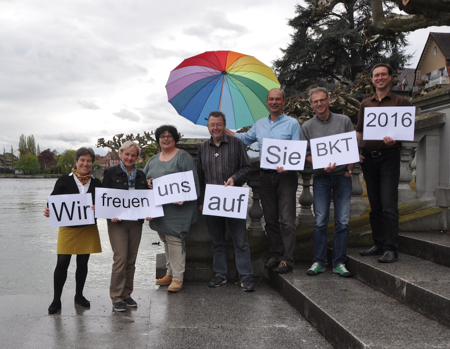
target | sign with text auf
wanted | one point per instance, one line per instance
(341, 149)
(69, 210)
(288, 154)
(227, 201)
(174, 187)
(395, 122)
(129, 205)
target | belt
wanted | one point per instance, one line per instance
(378, 153)
(268, 171)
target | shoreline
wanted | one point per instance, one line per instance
(30, 176)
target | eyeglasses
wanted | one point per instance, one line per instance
(166, 137)
(323, 100)
(214, 125)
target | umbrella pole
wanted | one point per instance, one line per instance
(221, 91)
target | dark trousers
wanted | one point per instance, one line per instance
(382, 174)
(278, 198)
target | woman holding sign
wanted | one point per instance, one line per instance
(81, 240)
(125, 236)
(178, 217)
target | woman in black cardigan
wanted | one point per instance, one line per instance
(81, 240)
(125, 236)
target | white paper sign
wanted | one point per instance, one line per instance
(227, 201)
(341, 149)
(174, 187)
(289, 154)
(395, 122)
(129, 205)
(69, 210)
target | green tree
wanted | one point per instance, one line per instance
(4, 158)
(328, 48)
(66, 161)
(28, 163)
(13, 162)
(96, 166)
(147, 141)
(31, 143)
(38, 150)
(22, 145)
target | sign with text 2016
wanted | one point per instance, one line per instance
(224, 201)
(341, 149)
(128, 205)
(69, 210)
(395, 122)
(174, 187)
(288, 154)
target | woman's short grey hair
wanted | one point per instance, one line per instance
(84, 151)
(318, 89)
(130, 144)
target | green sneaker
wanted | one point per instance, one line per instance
(342, 271)
(315, 269)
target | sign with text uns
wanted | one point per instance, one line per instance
(71, 209)
(395, 122)
(224, 201)
(174, 187)
(341, 149)
(129, 205)
(288, 154)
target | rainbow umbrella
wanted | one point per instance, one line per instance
(231, 82)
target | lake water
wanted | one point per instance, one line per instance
(28, 244)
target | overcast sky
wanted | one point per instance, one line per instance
(73, 71)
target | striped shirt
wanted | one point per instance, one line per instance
(216, 164)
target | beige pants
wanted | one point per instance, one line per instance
(125, 237)
(175, 258)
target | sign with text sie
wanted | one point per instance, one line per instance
(288, 154)
(174, 187)
(341, 149)
(395, 122)
(129, 205)
(227, 201)
(71, 209)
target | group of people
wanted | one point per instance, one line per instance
(222, 160)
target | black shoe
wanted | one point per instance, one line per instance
(373, 251)
(389, 257)
(217, 281)
(54, 307)
(80, 300)
(247, 284)
(272, 263)
(119, 306)
(130, 302)
(283, 268)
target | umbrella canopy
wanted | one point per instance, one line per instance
(231, 82)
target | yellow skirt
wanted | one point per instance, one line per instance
(80, 240)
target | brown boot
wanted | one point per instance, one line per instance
(166, 280)
(175, 286)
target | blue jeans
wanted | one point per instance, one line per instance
(238, 232)
(340, 187)
(382, 174)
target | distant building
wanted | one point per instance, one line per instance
(6, 163)
(108, 160)
(405, 83)
(434, 63)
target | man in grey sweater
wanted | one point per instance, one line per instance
(331, 180)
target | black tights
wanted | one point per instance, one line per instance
(60, 275)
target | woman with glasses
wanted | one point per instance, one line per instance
(178, 217)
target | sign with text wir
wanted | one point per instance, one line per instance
(71, 209)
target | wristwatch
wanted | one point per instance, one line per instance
(349, 171)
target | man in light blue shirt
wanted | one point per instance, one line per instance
(278, 187)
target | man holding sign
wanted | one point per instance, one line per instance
(222, 160)
(279, 187)
(381, 168)
(331, 180)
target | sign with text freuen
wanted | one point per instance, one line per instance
(69, 210)
(129, 205)
(224, 201)
(395, 122)
(341, 149)
(283, 153)
(174, 187)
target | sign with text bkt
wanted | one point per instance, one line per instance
(395, 122)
